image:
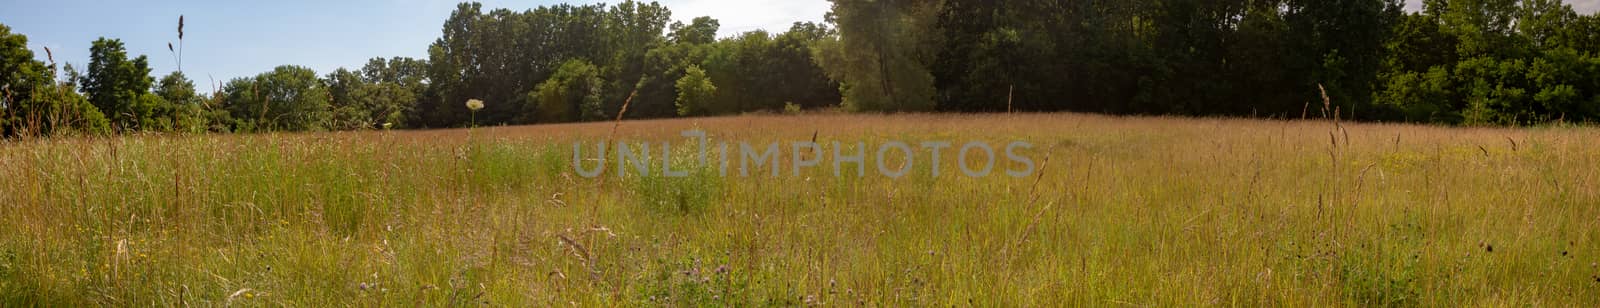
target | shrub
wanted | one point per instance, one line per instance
(573, 93)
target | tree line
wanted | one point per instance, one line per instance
(1468, 62)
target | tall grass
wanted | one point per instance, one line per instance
(1127, 211)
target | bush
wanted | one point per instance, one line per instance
(573, 93)
(695, 92)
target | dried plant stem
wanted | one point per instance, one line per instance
(1007, 252)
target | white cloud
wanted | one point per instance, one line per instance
(737, 16)
(1585, 6)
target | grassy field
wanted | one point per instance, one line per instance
(1121, 212)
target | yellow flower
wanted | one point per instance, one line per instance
(474, 104)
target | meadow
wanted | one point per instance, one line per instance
(1122, 211)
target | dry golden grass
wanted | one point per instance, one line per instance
(1127, 211)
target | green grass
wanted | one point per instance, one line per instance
(1127, 211)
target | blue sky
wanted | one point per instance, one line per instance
(228, 39)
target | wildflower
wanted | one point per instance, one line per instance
(474, 105)
(386, 126)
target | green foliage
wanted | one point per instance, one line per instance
(153, 113)
(752, 71)
(1508, 63)
(1493, 90)
(386, 103)
(393, 90)
(347, 110)
(669, 63)
(1484, 27)
(19, 75)
(56, 109)
(188, 111)
(695, 92)
(502, 56)
(792, 109)
(370, 99)
(524, 58)
(117, 86)
(407, 72)
(574, 93)
(31, 102)
(739, 67)
(1421, 96)
(702, 30)
(289, 98)
(632, 29)
(796, 76)
(882, 55)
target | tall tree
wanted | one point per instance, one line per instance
(387, 76)
(1484, 27)
(695, 92)
(798, 79)
(187, 111)
(288, 98)
(701, 30)
(881, 58)
(633, 29)
(1348, 38)
(348, 110)
(574, 93)
(32, 102)
(19, 75)
(117, 85)
(500, 56)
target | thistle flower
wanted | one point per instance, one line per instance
(474, 104)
